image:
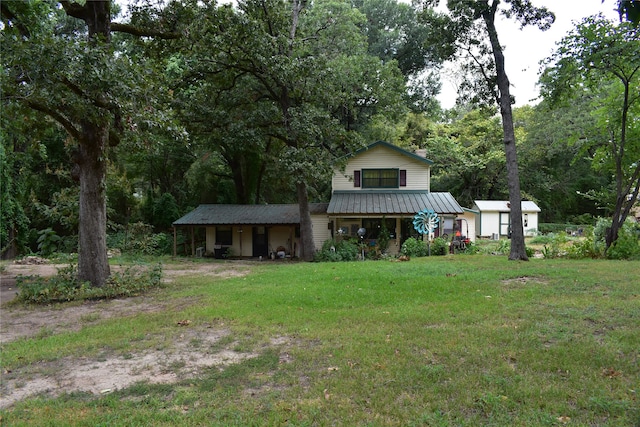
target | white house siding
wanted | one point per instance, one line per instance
(321, 231)
(246, 236)
(282, 236)
(490, 223)
(210, 239)
(468, 224)
(418, 174)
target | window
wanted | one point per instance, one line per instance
(224, 236)
(380, 178)
(374, 225)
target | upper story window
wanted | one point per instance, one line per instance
(380, 178)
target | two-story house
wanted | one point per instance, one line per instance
(380, 182)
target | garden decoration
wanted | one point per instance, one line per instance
(425, 222)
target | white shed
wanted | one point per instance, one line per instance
(494, 219)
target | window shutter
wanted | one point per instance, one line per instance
(403, 178)
(356, 178)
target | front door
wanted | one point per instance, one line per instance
(260, 241)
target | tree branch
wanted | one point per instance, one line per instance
(62, 120)
(14, 19)
(75, 10)
(141, 32)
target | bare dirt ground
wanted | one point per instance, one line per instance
(182, 355)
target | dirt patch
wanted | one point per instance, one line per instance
(183, 355)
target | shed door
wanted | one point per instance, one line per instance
(505, 224)
(260, 241)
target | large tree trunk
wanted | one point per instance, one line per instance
(518, 250)
(307, 245)
(93, 264)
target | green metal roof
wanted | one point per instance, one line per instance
(379, 202)
(284, 214)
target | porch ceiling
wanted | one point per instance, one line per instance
(405, 202)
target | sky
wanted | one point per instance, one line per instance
(524, 49)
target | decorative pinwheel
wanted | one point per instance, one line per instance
(426, 221)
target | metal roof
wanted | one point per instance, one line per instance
(503, 206)
(363, 202)
(285, 214)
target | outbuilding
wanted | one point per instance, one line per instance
(493, 219)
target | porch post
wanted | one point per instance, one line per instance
(175, 240)
(193, 241)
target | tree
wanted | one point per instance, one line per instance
(62, 64)
(600, 61)
(306, 70)
(468, 27)
(394, 33)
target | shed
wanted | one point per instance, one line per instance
(494, 218)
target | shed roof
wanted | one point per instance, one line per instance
(378, 202)
(503, 206)
(281, 214)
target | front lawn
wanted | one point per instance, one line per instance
(454, 340)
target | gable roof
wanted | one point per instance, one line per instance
(282, 214)
(380, 202)
(503, 206)
(395, 148)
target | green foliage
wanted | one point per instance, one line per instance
(48, 241)
(383, 238)
(335, 251)
(627, 246)
(65, 286)
(439, 246)
(139, 239)
(584, 247)
(13, 220)
(555, 246)
(413, 247)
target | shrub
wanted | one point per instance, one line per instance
(334, 251)
(555, 247)
(139, 239)
(584, 248)
(413, 247)
(65, 286)
(48, 241)
(626, 246)
(439, 246)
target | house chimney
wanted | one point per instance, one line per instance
(422, 152)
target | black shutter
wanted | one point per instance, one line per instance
(403, 178)
(356, 178)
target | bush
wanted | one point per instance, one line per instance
(139, 239)
(439, 246)
(413, 247)
(65, 286)
(627, 245)
(48, 241)
(333, 251)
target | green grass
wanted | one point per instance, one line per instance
(464, 340)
